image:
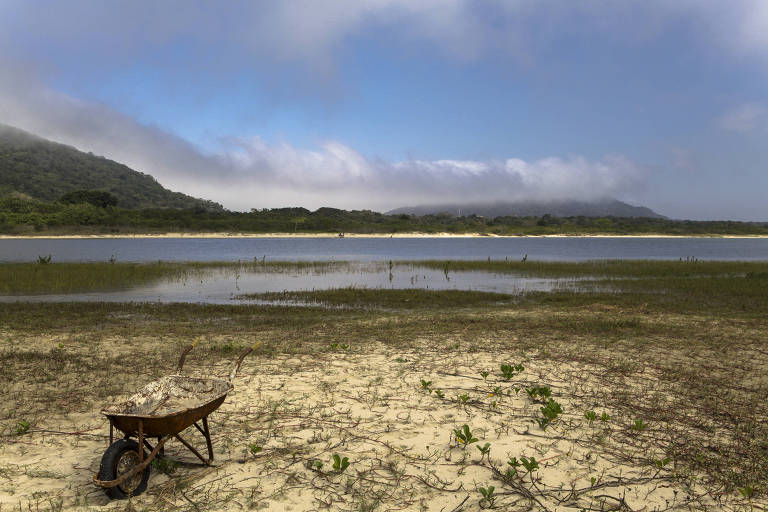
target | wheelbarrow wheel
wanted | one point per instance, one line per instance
(121, 456)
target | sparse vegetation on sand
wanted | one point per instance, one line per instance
(649, 395)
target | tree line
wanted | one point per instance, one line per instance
(99, 213)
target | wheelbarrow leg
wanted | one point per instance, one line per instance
(150, 447)
(141, 441)
(192, 449)
(207, 435)
(111, 432)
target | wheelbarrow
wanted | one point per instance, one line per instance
(161, 410)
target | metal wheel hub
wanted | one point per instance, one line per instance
(128, 460)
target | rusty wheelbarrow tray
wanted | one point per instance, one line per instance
(161, 410)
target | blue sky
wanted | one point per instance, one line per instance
(383, 103)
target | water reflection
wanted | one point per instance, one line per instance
(227, 285)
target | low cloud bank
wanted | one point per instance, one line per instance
(336, 174)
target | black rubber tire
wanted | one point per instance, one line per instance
(128, 450)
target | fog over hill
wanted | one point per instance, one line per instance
(600, 208)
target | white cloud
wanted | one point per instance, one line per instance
(250, 173)
(313, 31)
(745, 117)
(752, 27)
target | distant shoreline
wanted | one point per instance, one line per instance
(352, 235)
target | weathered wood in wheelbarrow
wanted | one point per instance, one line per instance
(161, 410)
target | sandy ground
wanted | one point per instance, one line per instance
(287, 414)
(353, 235)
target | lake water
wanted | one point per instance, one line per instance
(381, 249)
(225, 286)
(368, 254)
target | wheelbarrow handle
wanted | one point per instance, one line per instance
(184, 355)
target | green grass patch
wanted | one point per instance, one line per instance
(401, 299)
(35, 278)
(603, 268)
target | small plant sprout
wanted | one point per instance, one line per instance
(484, 450)
(439, 393)
(530, 465)
(604, 417)
(22, 427)
(660, 463)
(539, 393)
(639, 425)
(488, 499)
(254, 449)
(315, 465)
(549, 414)
(512, 471)
(425, 384)
(508, 371)
(464, 398)
(496, 392)
(747, 491)
(165, 466)
(484, 374)
(591, 416)
(592, 481)
(464, 436)
(340, 465)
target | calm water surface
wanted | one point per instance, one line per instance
(382, 249)
(369, 254)
(220, 286)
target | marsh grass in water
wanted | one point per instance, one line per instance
(605, 268)
(36, 278)
(29, 278)
(667, 286)
(680, 286)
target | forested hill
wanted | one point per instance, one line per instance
(44, 170)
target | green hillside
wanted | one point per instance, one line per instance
(40, 169)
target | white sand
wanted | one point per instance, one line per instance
(368, 407)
